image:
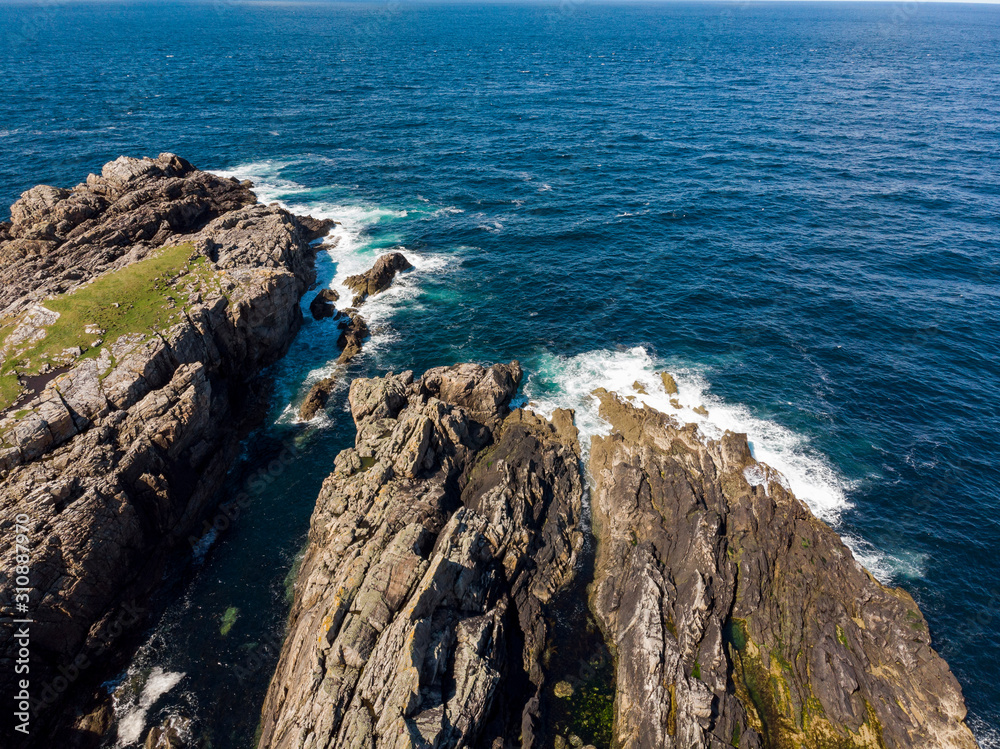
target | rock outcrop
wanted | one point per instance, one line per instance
(321, 306)
(354, 328)
(435, 548)
(378, 277)
(116, 451)
(739, 619)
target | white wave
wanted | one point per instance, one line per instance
(888, 568)
(132, 715)
(567, 382)
(349, 251)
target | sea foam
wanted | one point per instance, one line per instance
(788, 457)
(349, 250)
(567, 382)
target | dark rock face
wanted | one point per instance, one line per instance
(378, 278)
(352, 337)
(118, 458)
(322, 305)
(739, 619)
(317, 398)
(354, 328)
(435, 546)
(316, 228)
(59, 238)
(351, 340)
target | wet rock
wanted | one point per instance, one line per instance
(322, 305)
(434, 549)
(316, 228)
(669, 383)
(352, 337)
(173, 733)
(378, 278)
(317, 397)
(733, 612)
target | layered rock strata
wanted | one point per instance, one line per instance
(117, 448)
(739, 619)
(435, 548)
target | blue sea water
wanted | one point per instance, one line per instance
(793, 206)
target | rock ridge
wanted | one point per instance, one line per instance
(118, 444)
(736, 617)
(436, 545)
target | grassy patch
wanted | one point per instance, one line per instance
(10, 388)
(139, 298)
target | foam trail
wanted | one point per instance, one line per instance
(133, 721)
(349, 251)
(567, 382)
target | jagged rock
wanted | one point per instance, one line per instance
(669, 383)
(378, 278)
(60, 237)
(352, 337)
(317, 397)
(118, 458)
(434, 549)
(483, 391)
(322, 305)
(737, 617)
(173, 733)
(316, 228)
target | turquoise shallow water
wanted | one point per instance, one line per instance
(793, 206)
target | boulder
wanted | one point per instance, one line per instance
(316, 399)
(378, 277)
(322, 305)
(352, 337)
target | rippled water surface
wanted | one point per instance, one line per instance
(795, 207)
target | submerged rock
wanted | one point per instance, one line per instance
(436, 544)
(733, 612)
(378, 277)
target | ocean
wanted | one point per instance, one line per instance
(794, 207)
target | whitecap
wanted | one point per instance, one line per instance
(567, 382)
(132, 716)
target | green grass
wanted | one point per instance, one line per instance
(149, 296)
(10, 388)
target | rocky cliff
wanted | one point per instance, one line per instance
(739, 619)
(139, 311)
(424, 611)
(436, 546)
